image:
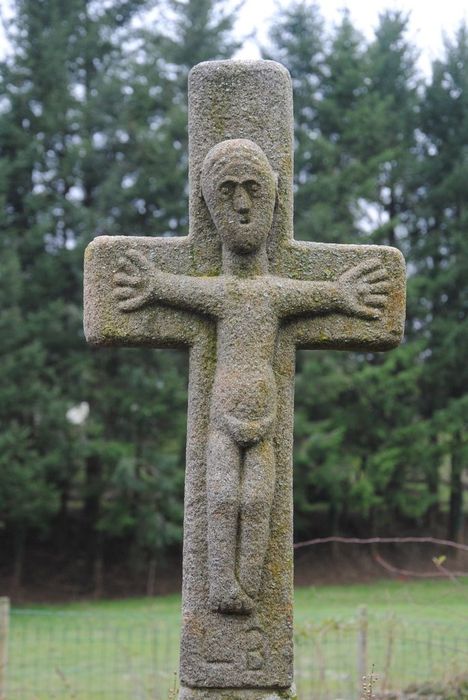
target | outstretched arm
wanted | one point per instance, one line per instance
(138, 283)
(361, 291)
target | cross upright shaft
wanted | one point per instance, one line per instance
(242, 295)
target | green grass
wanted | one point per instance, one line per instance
(128, 649)
(417, 633)
(416, 601)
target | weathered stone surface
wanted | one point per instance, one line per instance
(242, 295)
(239, 694)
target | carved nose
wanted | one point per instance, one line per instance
(241, 200)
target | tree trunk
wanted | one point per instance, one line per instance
(455, 522)
(98, 566)
(151, 580)
(432, 480)
(334, 527)
(91, 510)
(18, 563)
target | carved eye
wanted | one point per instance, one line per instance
(226, 188)
(253, 188)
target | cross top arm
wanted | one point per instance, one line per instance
(125, 278)
(139, 282)
(343, 296)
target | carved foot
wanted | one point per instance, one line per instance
(231, 601)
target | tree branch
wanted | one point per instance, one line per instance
(383, 540)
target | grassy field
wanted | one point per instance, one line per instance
(128, 649)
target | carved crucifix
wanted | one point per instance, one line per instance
(242, 295)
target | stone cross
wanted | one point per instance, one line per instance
(242, 295)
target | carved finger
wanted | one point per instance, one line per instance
(368, 267)
(379, 287)
(378, 300)
(361, 270)
(379, 275)
(124, 292)
(125, 265)
(131, 304)
(368, 313)
(138, 259)
(122, 279)
(132, 259)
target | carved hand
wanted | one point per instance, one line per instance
(133, 281)
(363, 289)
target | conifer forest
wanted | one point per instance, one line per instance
(93, 140)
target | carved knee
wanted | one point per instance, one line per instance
(256, 506)
(220, 503)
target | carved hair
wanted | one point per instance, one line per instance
(232, 152)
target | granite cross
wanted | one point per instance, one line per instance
(242, 295)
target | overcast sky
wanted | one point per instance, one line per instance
(428, 20)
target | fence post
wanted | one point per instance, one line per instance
(362, 645)
(4, 623)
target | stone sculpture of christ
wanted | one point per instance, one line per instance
(248, 305)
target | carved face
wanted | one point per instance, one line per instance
(239, 187)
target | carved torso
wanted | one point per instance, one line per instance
(244, 392)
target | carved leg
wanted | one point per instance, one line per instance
(223, 476)
(258, 485)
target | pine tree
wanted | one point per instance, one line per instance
(440, 256)
(356, 448)
(297, 40)
(147, 501)
(92, 140)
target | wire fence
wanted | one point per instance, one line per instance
(87, 656)
(333, 659)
